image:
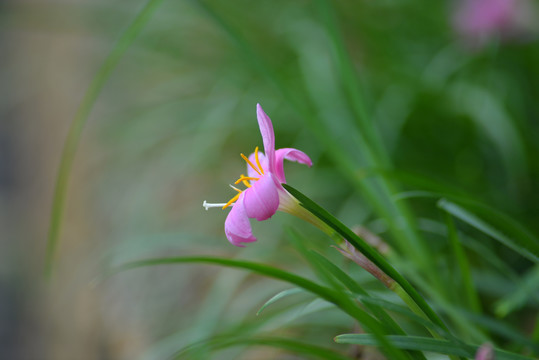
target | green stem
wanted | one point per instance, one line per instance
(358, 243)
(464, 267)
(413, 306)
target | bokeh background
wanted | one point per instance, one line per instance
(428, 96)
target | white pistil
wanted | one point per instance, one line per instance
(208, 205)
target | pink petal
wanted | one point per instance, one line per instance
(263, 162)
(485, 352)
(262, 199)
(268, 136)
(292, 155)
(237, 225)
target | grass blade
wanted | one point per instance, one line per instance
(342, 302)
(427, 344)
(473, 220)
(367, 250)
(312, 351)
(278, 297)
(410, 343)
(515, 300)
(465, 277)
(350, 82)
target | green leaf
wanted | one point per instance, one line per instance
(427, 344)
(528, 290)
(473, 220)
(220, 343)
(350, 82)
(502, 329)
(298, 242)
(366, 250)
(327, 269)
(342, 302)
(338, 274)
(277, 297)
(480, 249)
(508, 231)
(353, 286)
(398, 309)
(464, 272)
(410, 343)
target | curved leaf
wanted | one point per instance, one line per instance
(313, 351)
(278, 297)
(473, 220)
(367, 250)
(427, 344)
(342, 302)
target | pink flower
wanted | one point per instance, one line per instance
(480, 20)
(264, 194)
(485, 352)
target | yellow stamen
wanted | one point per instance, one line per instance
(232, 200)
(244, 181)
(235, 188)
(258, 161)
(250, 163)
(244, 178)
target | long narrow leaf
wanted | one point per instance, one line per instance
(476, 222)
(354, 287)
(330, 272)
(502, 329)
(410, 343)
(350, 81)
(528, 290)
(367, 250)
(402, 310)
(277, 297)
(344, 303)
(312, 351)
(427, 344)
(465, 275)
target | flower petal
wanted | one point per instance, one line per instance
(262, 199)
(292, 155)
(485, 352)
(268, 136)
(237, 225)
(263, 162)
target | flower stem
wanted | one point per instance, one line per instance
(322, 215)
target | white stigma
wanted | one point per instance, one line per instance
(208, 205)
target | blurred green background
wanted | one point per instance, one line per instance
(395, 104)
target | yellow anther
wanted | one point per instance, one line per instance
(244, 178)
(258, 161)
(232, 200)
(250, 163)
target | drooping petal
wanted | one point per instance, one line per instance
(237, 226)
(263, 162)
(292, 155)
(262, 199)
(268, 136)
